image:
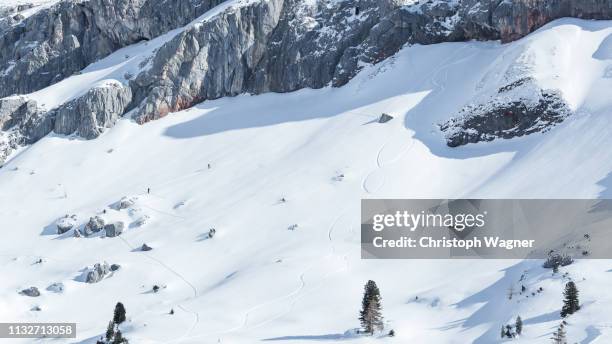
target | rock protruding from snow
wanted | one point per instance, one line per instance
(25, 115)
(114, 229)
(507, 116)
(97, 273)
(384, 118)
(31, 291)
(65, 224)
(94, 225)
(57, 287)
(89, 115)
(125, 203)
(146, 247)
(141, 221)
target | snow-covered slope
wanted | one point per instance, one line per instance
(227, 163)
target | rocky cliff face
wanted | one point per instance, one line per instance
(326, 43)
(60, 41)
(90, 114)
(251, 46)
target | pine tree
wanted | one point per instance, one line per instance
(119, 338)
(110, 331)
(559, 336)
(370, 315)
(503, 331)
(518, 325)
(119, 315)
(571, 303)
(508, 331)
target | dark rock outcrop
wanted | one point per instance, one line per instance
(97, 273)
(57, 287)
(384, 118)
(94, 225)
(502, 117)
(65, 224)
(31, 291)
(114, 229)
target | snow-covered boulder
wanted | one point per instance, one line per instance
(141, 221)
(114, 229)
(31, 291)
(65, 224)
(94, 225)
(125, 203)
(97, 273)
(57, 287)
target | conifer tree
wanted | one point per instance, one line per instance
(508, 331)
(119, 338)
(110, 331)
(518, 325)
(571, 303)
(370, 315)
(119, 315)
(559, 336)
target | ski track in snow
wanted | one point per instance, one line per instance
(296, 294)
(182, 278)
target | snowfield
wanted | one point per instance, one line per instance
(226, 164)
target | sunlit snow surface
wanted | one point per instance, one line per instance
(257, 281)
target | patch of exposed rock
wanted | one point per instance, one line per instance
(97, 273)
(57, 287)
(65, 223)
(94, 225)
(89, 115)
(31, 291)
(114, 229)
(507, 117)
(124, 203)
